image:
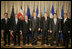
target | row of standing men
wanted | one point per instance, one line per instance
(33, 26)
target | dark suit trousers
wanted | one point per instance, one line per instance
(25, 37)
(6, 33)
(45, 37)
(55, 37)
(34, 37)
(65, 39)
(18, 37)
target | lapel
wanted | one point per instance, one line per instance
(53, 22)
(26, 22)
(57, 21)
(65, 20)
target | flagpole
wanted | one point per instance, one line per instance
(13, 4)
(34, 6)
(49, 10)
(21, 3)
(24, 8)
(58, 8)
(4, 7)
(40, 8)
(17, 8)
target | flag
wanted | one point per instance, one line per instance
(34, 10)
(21, 14)
(37, 11)
(12, 14)
(52, 12)
(28, 13)
(62, 12)
(12, 18)
(44, 10)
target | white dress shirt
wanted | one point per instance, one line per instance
(16, 20)
(34, 17)
(26, 21)
(55, 20)
(6, 20)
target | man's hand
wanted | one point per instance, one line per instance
(11, 32)
(60, 31)
(30, 29)
(38, 29)
(68, 31)
(21, 32)
(50, 31)
(2, 31)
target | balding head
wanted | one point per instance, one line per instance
(45, 14)
(26, 17)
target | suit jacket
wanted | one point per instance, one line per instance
(25, 26)
(15, 27)
(5, 26)
(44, 24)
(34, 24)
(66, 26)
(55, 27)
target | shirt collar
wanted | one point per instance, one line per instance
(16, 19)
(25, 20)
(5, 18)
(55, 18)
(35, 17)
(65, 18)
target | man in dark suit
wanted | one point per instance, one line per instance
(34, 25)
(45, 28)
(25, 30)
(70, 28)
(6, 28)
(55, 29)
(65, 30)
(15, 29)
